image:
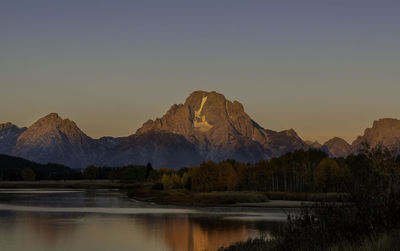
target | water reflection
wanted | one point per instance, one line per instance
(192, 233)
(154, 230)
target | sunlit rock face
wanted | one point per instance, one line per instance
(384, 132)
(57, 140)
(9, 134)
(338, 147)
(221, 129)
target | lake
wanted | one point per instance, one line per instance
(48, 219)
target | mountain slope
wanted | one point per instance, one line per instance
(313, 144)
(338, 147)
(57, 140)
(221, 129)
(385, 132)
(206, 126)
(161, 149)
(9, 134)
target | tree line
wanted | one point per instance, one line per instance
(16, 169)
(298, 171)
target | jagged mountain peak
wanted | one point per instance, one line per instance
(6, 125)
(206, 126)
(202, 112)
(53, 118)
(313, 144)
(10, 127)
(290, 132)
(338, 147)
(335, 140)
(385, 132)
(52, 115)
(53, 126)
(386, 126)
(209, 110)
(219, 126)
(54, 139)
(386, 121)
(196, 95)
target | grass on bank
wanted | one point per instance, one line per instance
(154, 192)
(384, 242)
(185, 197)
(309, 196)
(147, 192)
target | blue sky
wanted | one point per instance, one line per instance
(324, 68)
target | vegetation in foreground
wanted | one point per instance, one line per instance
(383, 242)
(371, 223)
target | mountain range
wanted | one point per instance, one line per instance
(206, 126)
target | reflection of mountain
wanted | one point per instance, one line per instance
(190, 233)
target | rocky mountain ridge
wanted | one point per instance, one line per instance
(206, 126)
(384, 132)
(56, 140)
(221, 129)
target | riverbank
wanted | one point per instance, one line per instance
(71, 184)
(182, 197)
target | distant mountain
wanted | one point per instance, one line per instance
(313, 144)
(338, 147)
(221, 129)
(109, 142)
(9, 134)
(56, 140)
(160, 148)
(385, 132)
(206, 126)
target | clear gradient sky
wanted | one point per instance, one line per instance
(325, 68)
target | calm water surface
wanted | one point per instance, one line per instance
(41, 220)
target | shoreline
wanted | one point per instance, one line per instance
(229, 199)
(181, 198)
(59, 184)
(272, 204)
